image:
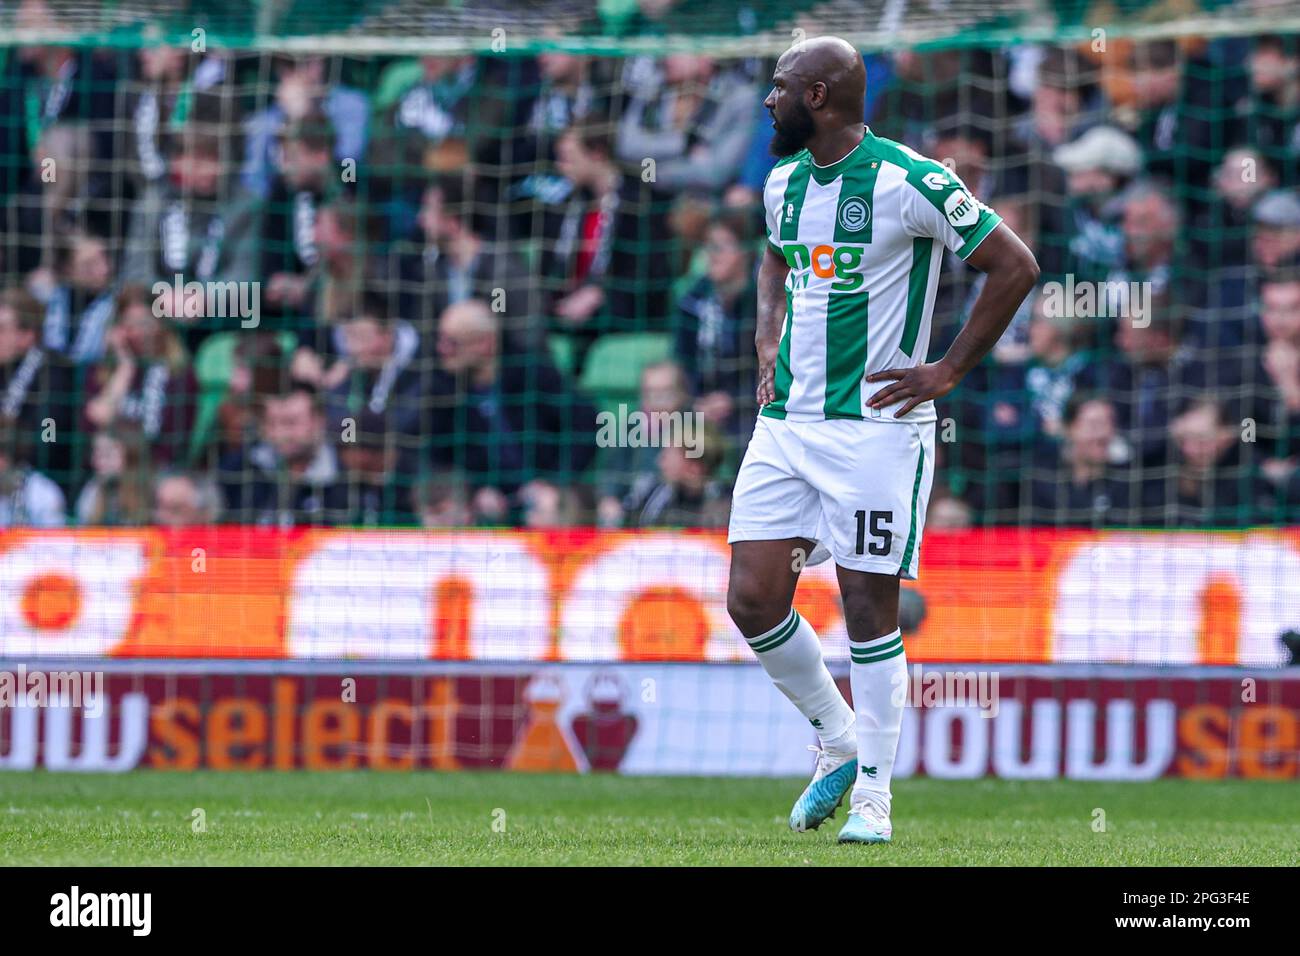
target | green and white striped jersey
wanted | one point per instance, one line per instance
(864, 238)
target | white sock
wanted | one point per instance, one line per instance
(792, 656)
(878, 677)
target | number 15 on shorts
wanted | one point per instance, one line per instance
(882, 539)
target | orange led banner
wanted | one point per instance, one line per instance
(1014, 595)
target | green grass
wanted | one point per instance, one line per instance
(431, 818)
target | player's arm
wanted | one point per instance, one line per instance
(772, 272)
(1012, 272)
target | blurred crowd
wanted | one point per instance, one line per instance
(384, 291)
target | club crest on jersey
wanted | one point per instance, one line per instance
(960, 209)
(854, 214)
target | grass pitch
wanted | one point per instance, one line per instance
(491, 818)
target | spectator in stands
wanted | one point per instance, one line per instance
(384, 377)
(608, 263)
(629, 470)
(185, 500)
(165, 94)
(548, 505)
(1269, 117)
(1152, 224)
(193, 225)
(343, 243)
(695, 124)
(28, 499)
(504, 418)
(425, 109)
(1060, 102)
(55, 84)
(1021, 215)
(1177, 115)
(301, 91)
(259, 367)
(454, 262)
(1078, 482)
(965, 150)
(542, 98)
(146, 380)
(443, 501)
(688, 493)
(1099, 166)
(923, 89)
(69, 191)
(79, 310)
(1017, 401)
(1276, 242)
(307, 179)
(1274, 402)
(291, 476)
(1221, 235)
(714, 337)
(1028, 399)
(349, 265)
(1062, 93)
(36, 387)
(377, 490)
(1208, 481)
(1227, 294)
(117, 495)
(1151, 381)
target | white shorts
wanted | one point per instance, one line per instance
(857, 488)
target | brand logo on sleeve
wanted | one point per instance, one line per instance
(960, 209)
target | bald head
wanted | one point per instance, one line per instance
(819, 87)
(468, 333)
(469, 315)
(836, 65)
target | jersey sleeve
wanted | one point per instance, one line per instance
(937, 204)
(771, 214)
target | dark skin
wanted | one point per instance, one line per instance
(818, 90)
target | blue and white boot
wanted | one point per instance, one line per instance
(868, 822)
(833, 778)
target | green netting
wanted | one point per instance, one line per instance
(621, 27)
(611, 191)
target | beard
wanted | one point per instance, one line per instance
(792, 134)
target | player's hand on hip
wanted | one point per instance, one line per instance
(912, 386)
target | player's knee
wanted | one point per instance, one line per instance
(752, 607)
(866, 615)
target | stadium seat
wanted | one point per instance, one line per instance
(612, 373)
(562, 352)
(212, 367)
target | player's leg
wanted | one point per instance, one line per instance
(775, 514)
(878, 678)
(760, 600)
(874, 480)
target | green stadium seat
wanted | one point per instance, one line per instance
(612, 373)
(562, 352)
(213, 363)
